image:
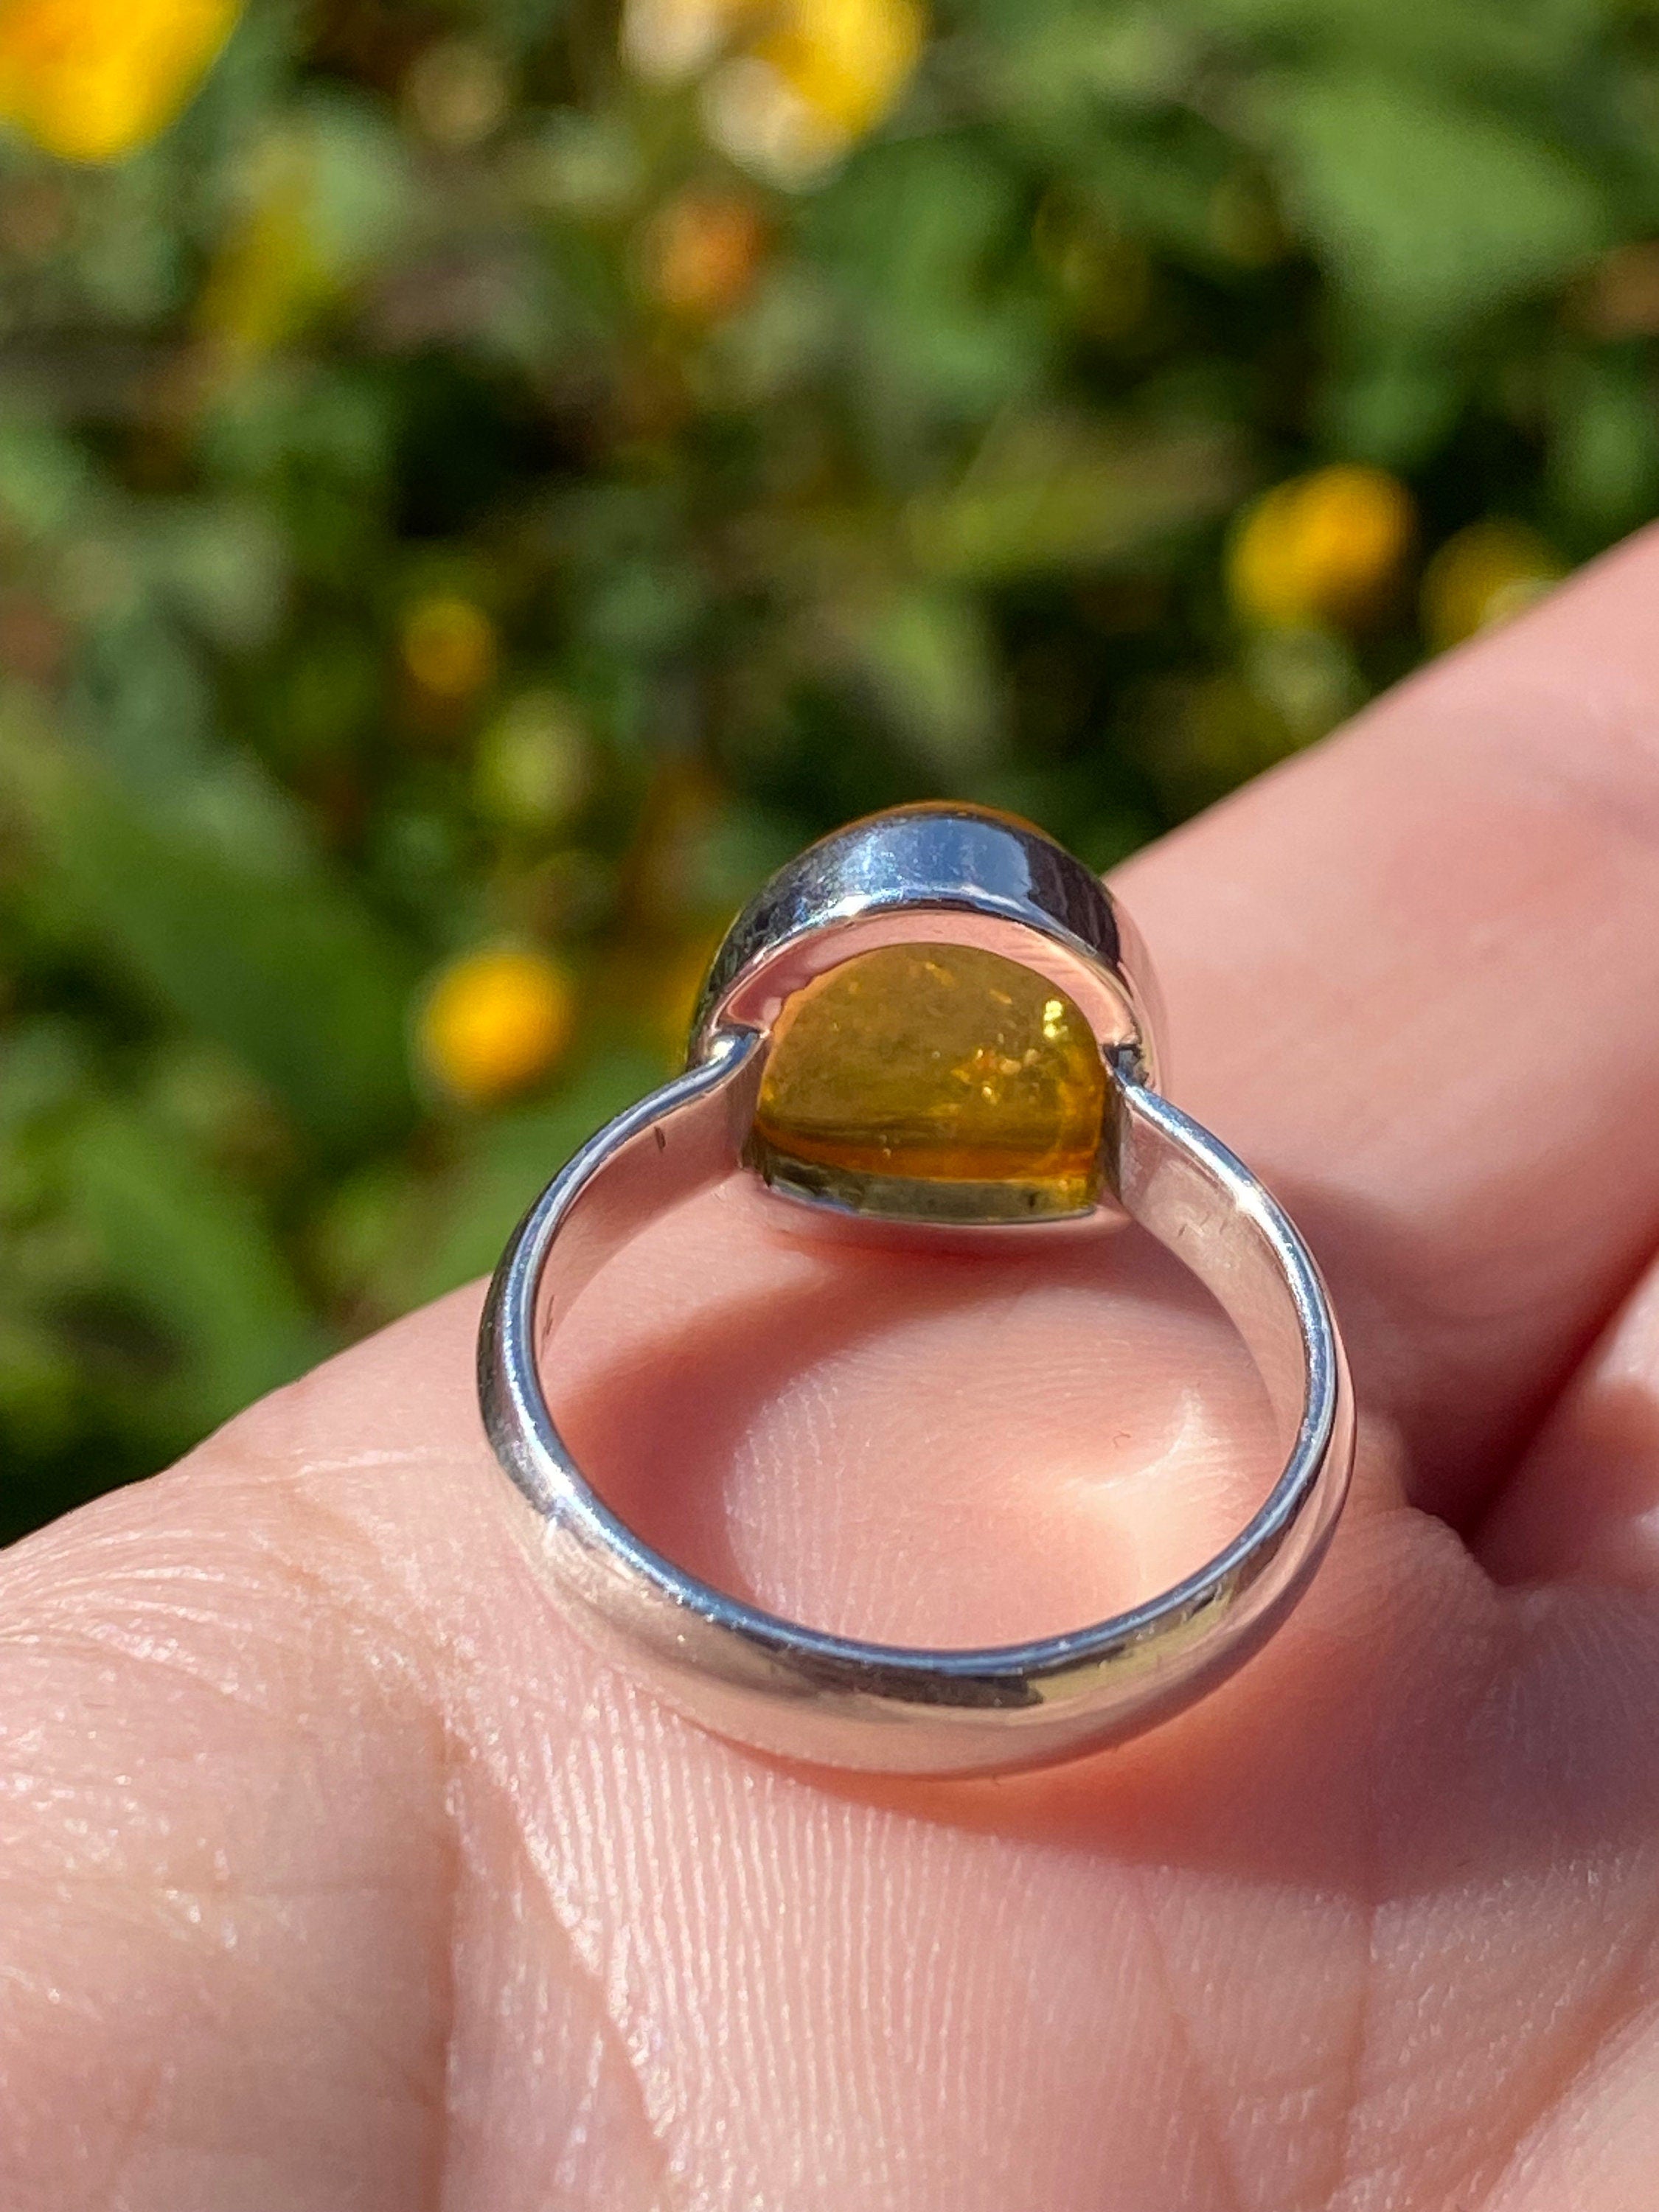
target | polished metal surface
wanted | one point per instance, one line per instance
(954, 875)
(958, 873)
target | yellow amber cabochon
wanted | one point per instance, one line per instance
(933, 1082)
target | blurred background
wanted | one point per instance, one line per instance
(481, 483)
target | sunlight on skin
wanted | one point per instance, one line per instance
(335, 1873)
(1599, 1448)
(832, 1369)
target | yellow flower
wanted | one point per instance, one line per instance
(846, 61)
(495, 1022)
(1488, 571)
(1325, 549)
(92, 79)
(448, 646)
(798, 81)
(703, 253)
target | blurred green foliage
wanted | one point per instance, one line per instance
(766, 498)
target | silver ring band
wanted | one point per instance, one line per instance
(787, 1689)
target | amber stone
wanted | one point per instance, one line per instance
(933, 1082)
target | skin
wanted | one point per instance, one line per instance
(334, 1872)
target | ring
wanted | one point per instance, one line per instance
(937, 1017)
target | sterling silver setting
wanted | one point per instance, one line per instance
(954, 875)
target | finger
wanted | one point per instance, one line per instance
(338, 1874)
(1404, 977)
(259, 1878)
(222, 1854)
(1585, 1500)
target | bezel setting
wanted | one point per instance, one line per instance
(1003, 884)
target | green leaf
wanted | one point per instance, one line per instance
(194, 1256)
(1604, 462)
(927, 658)
(1053, 495)
(285, 968)
(1164, 182)
(1524, 41)
(916, 236)
(223, 563)
(361, 177)
(1060, 62)
(1427, 212)
(1392, 403)
(45, 484)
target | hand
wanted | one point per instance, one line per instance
(335, 1874)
